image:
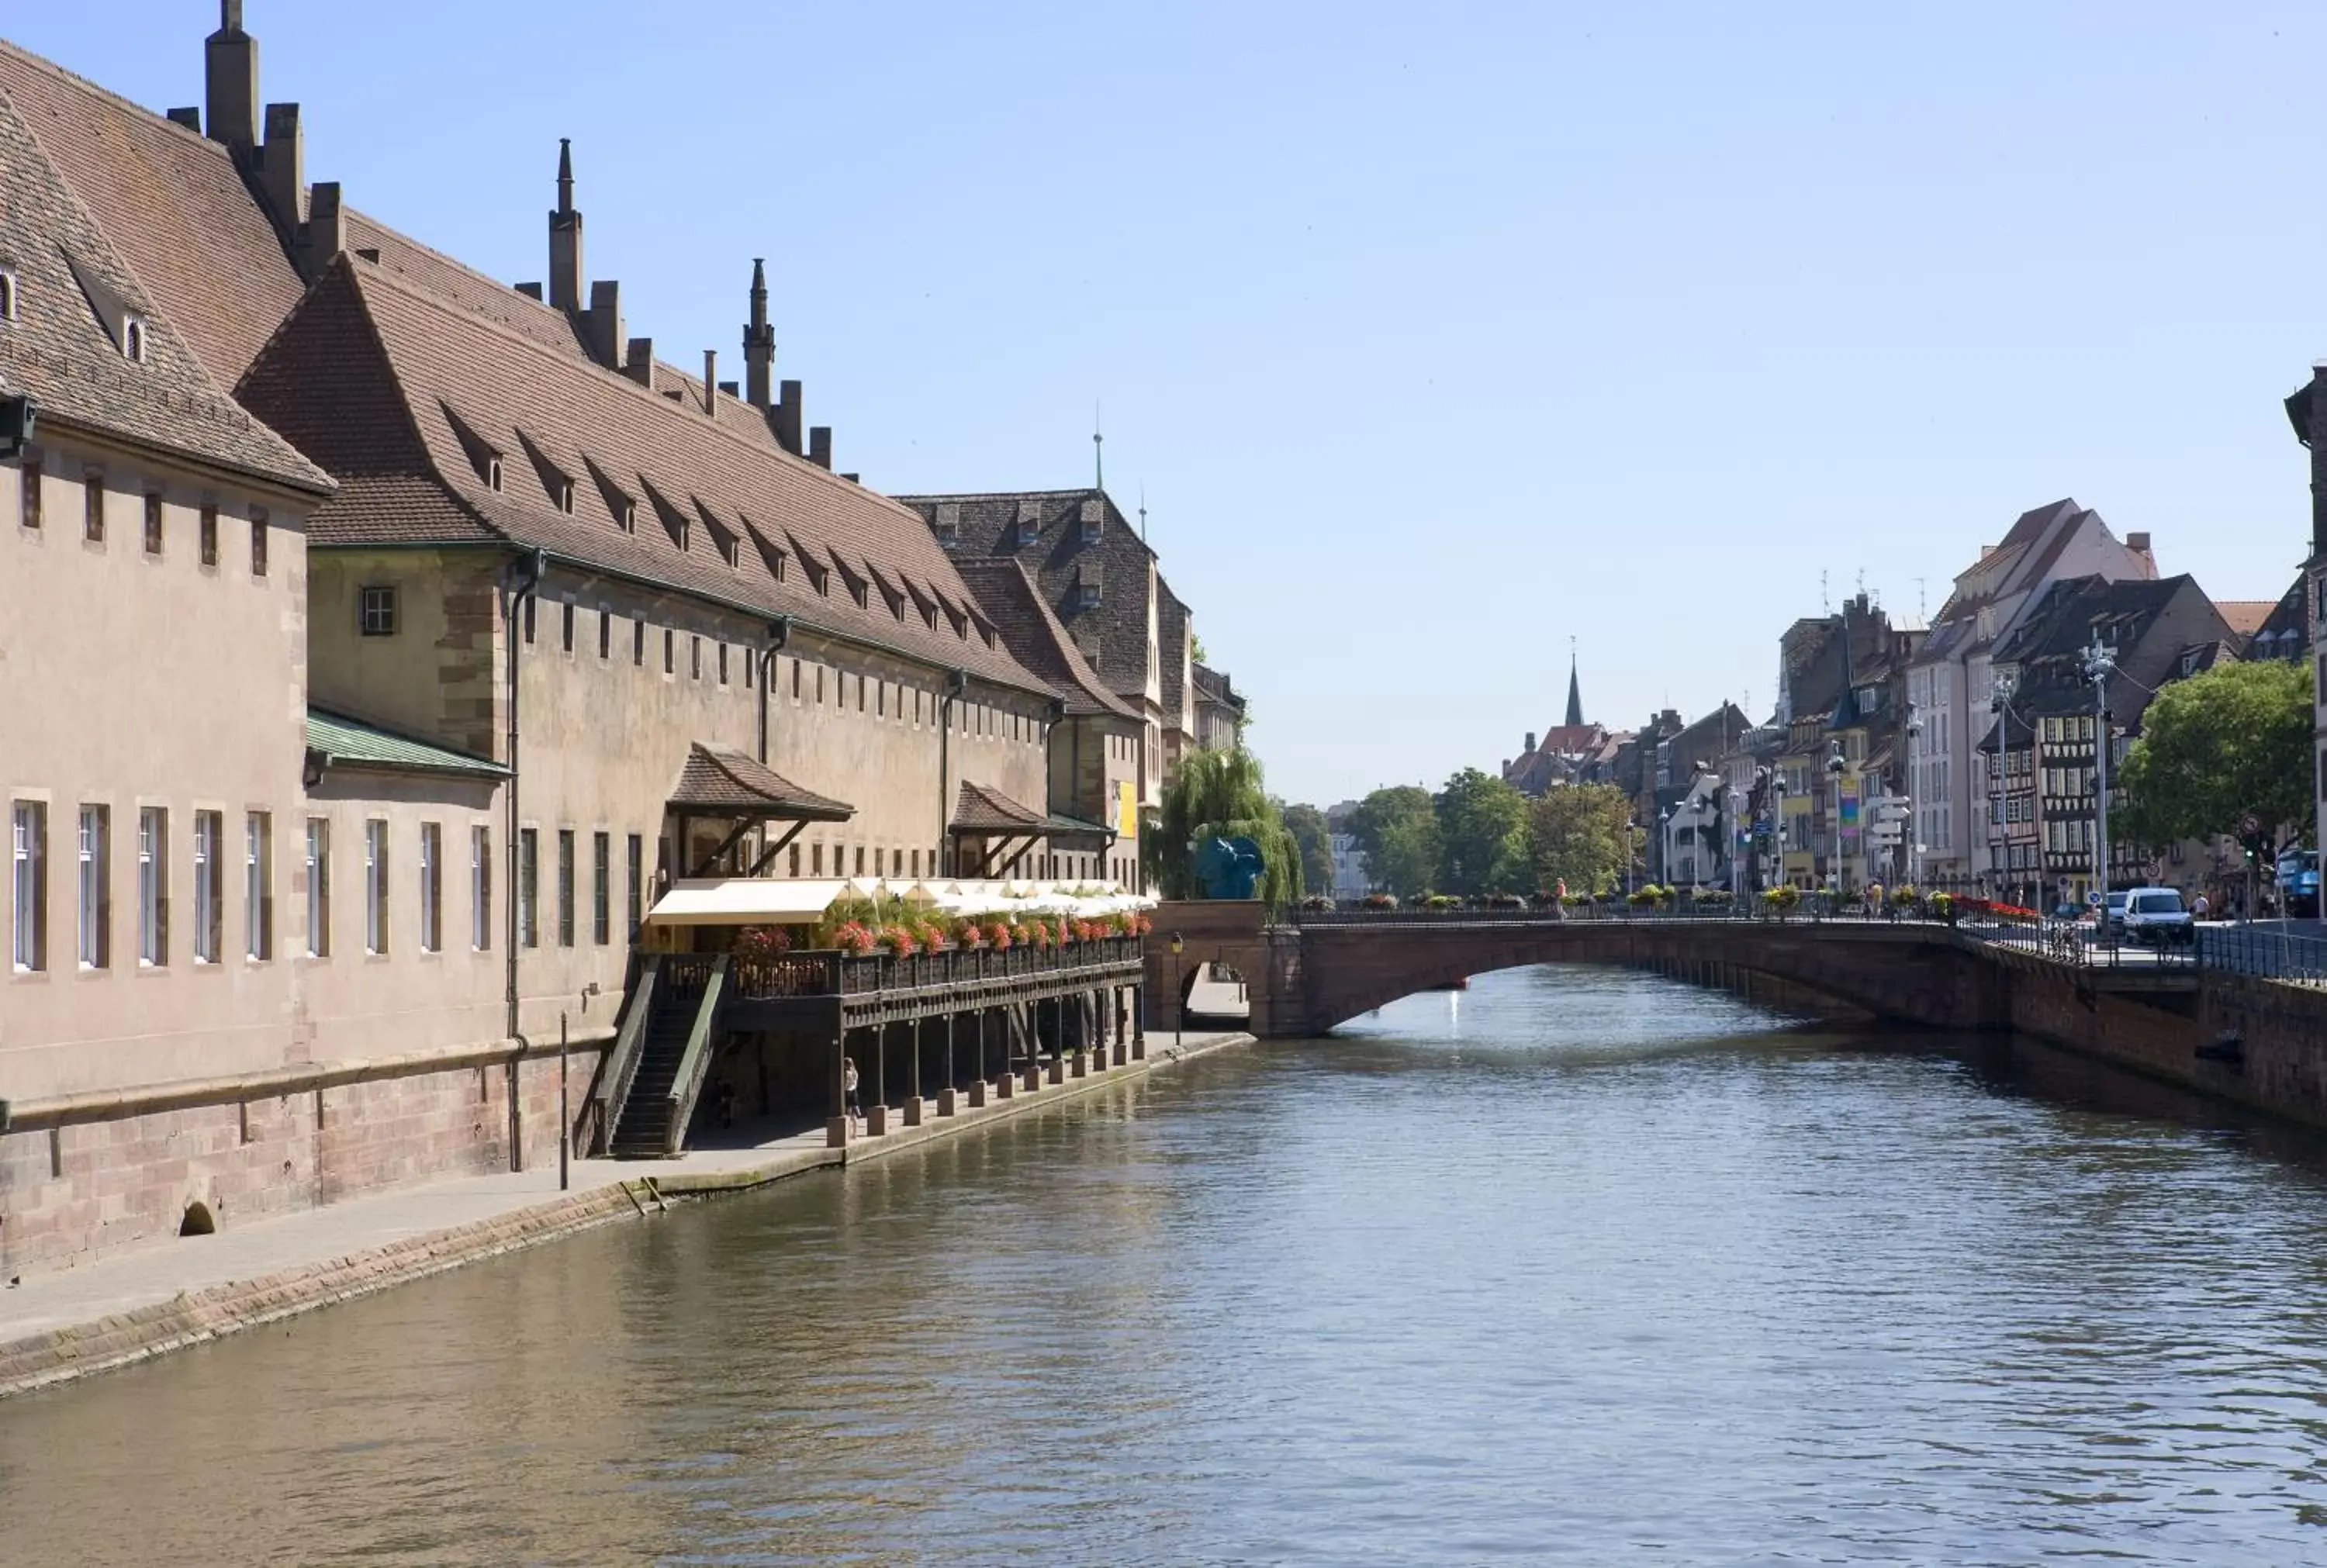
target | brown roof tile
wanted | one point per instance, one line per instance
(174, 205)
(1009, 596)
(722, 779)
(981, 809)
(371, 372)
(76, 300)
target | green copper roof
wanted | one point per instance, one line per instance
(347, 742)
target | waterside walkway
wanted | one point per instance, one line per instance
(59, 1326)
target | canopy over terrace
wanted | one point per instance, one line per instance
(730, 795)
(991, 832)
(780, 902)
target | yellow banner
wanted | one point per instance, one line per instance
(1127, 808)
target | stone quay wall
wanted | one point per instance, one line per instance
(81, 1177)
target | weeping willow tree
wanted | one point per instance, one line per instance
(1219, 795)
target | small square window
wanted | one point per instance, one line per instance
(210, 534)
(152, 523)
(377, 611)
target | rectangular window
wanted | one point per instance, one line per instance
(723, 664)
(258, 542)
(96, 902)
(566, 625)
(815, 860)
(605, 634)
(532, 603)
(481, 889)
(602, 888)
(208, 540)
(528, 886)
(258, 886)
(795, 680)
(564, 886)
(669, 651)
(210, 915)
(153, 887)
(93, 521)
(30, 495)
(376, 612)
(860, 860)
(319, 887)
(639, 643)
(795, 860)
(748, 662)
(432, 888)
(634, 858)
(375, 886)
(152, 523)
(693, 658)
(28, 886)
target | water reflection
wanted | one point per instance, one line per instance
(1575, 1267)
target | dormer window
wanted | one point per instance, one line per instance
(629, 516)
(565, 497)
(1030, 531)
(7, 295)
(857, 592)
(132, 340)
(728, 551)
(1094, 519)
(494, 473)
(1086, 596)
(948, 535)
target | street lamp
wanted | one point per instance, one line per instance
(1834, 768)
(1664, 844)
(1914, 847)
(1777, 826)
(2100, 663)
(1179, 1013)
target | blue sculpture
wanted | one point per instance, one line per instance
(1229, 868)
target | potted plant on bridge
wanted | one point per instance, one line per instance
(1381, 901)
(1780, 901)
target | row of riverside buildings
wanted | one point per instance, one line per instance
(1960, 754)
(382, 641)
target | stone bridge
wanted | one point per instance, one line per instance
(1305, 979)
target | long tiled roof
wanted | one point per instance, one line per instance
(723, 778)
(1034, 634)
(76, 303)
(175, 206)
(407, 398)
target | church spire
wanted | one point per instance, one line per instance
(1574, 691)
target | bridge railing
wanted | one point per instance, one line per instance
(1751, 914)
(2080, 944)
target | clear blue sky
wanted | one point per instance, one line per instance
(1435, 335)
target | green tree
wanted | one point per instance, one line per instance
(2218, 747)
(1397, 829)
(1575, 834)
(1482, 843)
(1221, 795)
(1314, 836)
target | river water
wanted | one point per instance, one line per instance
(1575, 1268)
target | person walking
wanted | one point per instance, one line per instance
(855, 1112)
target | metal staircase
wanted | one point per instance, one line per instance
(662, 1056)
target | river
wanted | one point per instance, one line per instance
(1576, 1267)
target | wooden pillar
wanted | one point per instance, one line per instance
(835, 1126)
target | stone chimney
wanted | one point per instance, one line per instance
(639, 362)
(230, 81)
(787, 419)
(1530, 747)
(283, 167)
(759, 342)
(191, 118)
(565, 236)
(326, 233)
(603, 326)
(819, 445)
(711, 382)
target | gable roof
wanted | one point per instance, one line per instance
(399, 392)
(1011, 599)
(76, 302)
(197, 244)
(1112, 634)
(2245, 616)
(978, 809)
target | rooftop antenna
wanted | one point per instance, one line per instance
(1143, 514)
(1922, 606)
(1862, 582)
(1826, 600)
(1098, 448)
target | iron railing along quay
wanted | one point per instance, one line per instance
(2270, 951)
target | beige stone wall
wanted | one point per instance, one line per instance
(130, 680)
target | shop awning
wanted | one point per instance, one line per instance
(746, 900)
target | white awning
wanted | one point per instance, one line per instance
(747, 900)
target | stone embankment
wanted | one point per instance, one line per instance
(147, 1301)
